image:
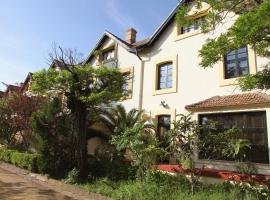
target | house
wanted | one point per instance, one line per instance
(12, 89)
(166, 80)
(26, 85)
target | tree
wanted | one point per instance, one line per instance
(117, 119)
(55, 141)
(183, 142)
(22, 108)
(85, 88)
(252, 27)
(188, 137)
(15, 118)
(7, 132)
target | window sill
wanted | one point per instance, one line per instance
(164, 91)
(187, 35)
(228, 82)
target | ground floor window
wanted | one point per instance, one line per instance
(254, 127)
(164, 124)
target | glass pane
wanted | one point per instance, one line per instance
(231, 57)
(253, 128)
(163, 79)
(162, 85)
(231, 53)
(242, 55)
(169, 84)
(242, 50)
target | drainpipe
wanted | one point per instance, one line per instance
(141, 81)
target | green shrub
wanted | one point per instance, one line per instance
(73, 177)
(114, 170)
(5, 154)
(24, 160)
(160, 186)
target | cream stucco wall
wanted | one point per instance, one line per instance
(125, 60)
(193, 83)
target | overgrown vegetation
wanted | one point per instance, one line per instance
(55, 142)
(24, 160)
(160, 185)
(85, 88)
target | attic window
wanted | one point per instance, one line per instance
(193, 26)
(108, 55)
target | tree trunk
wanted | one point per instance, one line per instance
(81, 115)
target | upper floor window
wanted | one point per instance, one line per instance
(108, 55)
(193, 26)
(165, 76)
(126, 86)
(236, 63)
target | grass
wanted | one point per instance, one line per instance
(167, 188)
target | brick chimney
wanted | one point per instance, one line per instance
(131, 35)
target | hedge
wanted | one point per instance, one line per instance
(24, 160)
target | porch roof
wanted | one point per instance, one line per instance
(229, 101)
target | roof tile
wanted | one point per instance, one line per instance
(230, 101)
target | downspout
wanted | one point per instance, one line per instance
(141, 80)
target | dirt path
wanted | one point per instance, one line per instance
(17, 184)
(14, 187)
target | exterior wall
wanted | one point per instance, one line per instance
(126, 61)
(129, 60)
(92, 145)
(193, 83)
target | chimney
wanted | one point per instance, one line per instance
(131, 35)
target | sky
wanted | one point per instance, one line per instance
(29, 28)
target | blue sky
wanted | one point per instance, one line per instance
(30, 27)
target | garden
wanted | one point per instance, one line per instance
(46, 130)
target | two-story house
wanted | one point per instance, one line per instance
(166, 80)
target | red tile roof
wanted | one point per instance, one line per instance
(231, 101)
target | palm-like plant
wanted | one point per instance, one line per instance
(117, 119)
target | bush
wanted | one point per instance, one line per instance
(160, 185)
(24, 160)
(114, 170)
(5, 154)
(55, 142)
(72, 177)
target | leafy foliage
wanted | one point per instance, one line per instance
(16, 115)
(55, 140)
(217, 143)
(24, 160)
(252, 27)
(261, 80)
(142, 144)
(73, 177)
(7, 131)
(161, 185)
(118, 119)
(86, 89)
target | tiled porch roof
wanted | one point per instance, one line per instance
(246, 99)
